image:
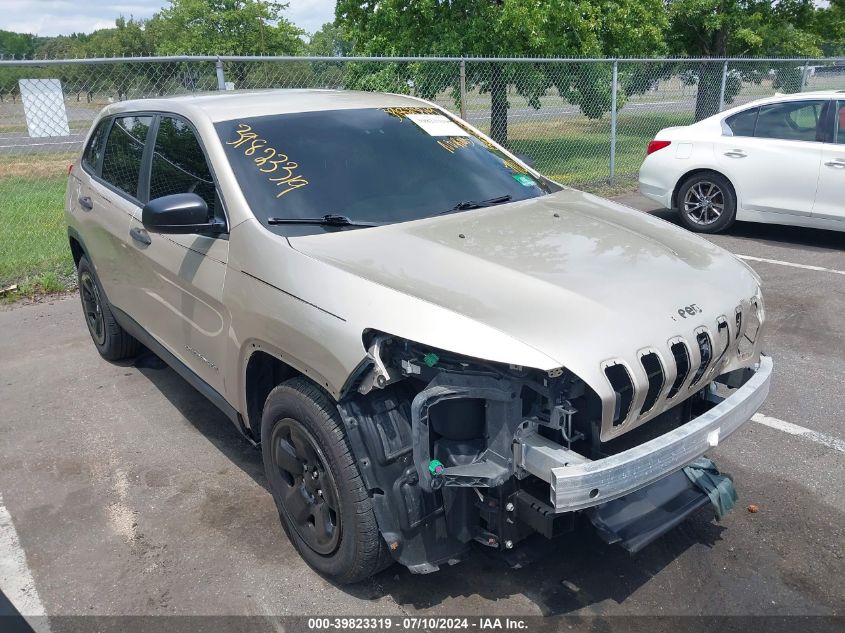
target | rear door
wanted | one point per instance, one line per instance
(179, 279)
(774, 155)
(106, 198)
(830, 199)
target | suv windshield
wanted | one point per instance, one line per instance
(369, 166)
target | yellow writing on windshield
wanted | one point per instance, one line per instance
(280, 170)
(453, 143)
(400, 112)
(514, 166)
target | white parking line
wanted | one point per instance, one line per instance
(15, 579)
(791, 264)
(793, 429)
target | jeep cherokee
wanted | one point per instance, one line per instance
(433, 344)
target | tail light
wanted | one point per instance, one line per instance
(70, 169)
(653, 146)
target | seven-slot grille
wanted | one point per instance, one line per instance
(672, 379)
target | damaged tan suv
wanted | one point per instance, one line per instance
(434, 345)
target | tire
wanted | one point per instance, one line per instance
(706, 203)
(319, 492)
(111, 340)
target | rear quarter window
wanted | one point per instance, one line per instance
(743, 123)
(94, 151)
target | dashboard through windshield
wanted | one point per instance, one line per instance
(368, 166)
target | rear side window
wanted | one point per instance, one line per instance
(840, 123)
(179, 165)
(124, 151)
(791, 121)
(742, 123)
(94, 151)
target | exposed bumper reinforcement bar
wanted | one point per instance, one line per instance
(578, 483)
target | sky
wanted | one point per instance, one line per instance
(61, 17)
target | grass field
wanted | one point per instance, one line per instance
(577, 152)
(33, 240)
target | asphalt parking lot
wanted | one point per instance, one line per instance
(123, 492)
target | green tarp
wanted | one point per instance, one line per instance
(720, 488)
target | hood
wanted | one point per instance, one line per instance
(578, 278)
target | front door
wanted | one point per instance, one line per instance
(179, 278)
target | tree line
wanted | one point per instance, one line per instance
(506, 28)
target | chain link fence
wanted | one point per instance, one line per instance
(582, 122)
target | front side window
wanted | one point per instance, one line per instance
(124, 151)
(94, 151)
(840, 123)
(179, 164)
(791, 121)
(371, 165)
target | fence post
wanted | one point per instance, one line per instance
(463, 89)
(613, 121)
(724, 84)
(221, 78)
(804, 72)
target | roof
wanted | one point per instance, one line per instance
(830, 94)
(223, 106)
(776, 98)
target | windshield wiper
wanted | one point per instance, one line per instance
(477, 204)
(329, 219)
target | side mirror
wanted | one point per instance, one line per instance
(179, 213)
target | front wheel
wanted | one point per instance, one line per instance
(322, 501)
(707, 203)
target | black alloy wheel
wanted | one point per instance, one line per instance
(309, 491)
(92, 305)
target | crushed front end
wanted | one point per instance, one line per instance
(456, 451)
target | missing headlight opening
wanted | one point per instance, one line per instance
(461, 450)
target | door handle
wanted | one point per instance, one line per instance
(837, 163)
(140, 235)
(736, 153)
(85, 203)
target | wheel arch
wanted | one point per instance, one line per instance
(77, 248)
(695, 172)
(264, 368)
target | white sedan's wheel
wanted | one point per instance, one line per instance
(706, 203)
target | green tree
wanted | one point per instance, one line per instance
(830, 25)
(51, 48)
(18, 45)
(62, 47)
(536, 28)
(128, 38)
(329, 41)
(225, 27)
(740, 28)
(233, 27)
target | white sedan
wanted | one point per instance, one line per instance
(779, 160)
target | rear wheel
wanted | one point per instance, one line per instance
(111, 340)
(707, 203)
(322, 501)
